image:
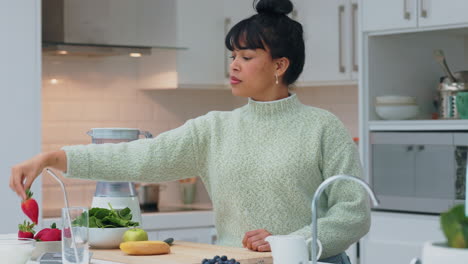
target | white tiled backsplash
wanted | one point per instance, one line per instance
(82, 93)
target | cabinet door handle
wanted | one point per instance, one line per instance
(423, 9)
(294, 14)
(227, 23)
(214, 239)
(406, 12)
(341, 10)
(354, 34)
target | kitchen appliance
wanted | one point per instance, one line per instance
(107, 28)
(418, 171)
(148, 195)
(448, 88)
(118, 194)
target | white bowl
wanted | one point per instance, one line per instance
(16, 250)
(106, 237)
(395, 99)
(46, 246)
(397, 112)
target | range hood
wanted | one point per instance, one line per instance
(93, 50)
(97, 28)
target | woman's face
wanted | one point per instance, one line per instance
(252, 73)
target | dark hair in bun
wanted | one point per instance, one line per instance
(272, 29)
(281, 7)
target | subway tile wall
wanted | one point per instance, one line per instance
(81, 93)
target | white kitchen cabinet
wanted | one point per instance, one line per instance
(330, 32)
(398, 238)
(440, 13)
(205, 235)
(380, 15)
(199, 65)
(201, 30)
(20, 101)
(383, 15)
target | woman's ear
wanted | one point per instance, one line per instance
(281, 65)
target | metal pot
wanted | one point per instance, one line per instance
(449, 86)
(148, 195)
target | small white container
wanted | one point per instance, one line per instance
(46, 247)
(16, 250)
(106, 237)
(440, 253)
(395, 99)
(397, 112)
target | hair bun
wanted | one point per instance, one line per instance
(281, 7)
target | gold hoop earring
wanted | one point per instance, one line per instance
(276, 76)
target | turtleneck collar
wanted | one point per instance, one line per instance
(280, 107)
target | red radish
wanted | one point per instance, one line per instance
(49, 234)
(25, 230)
(30, 207)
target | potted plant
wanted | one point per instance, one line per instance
(454, 224)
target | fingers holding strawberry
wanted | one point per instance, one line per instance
(30, 207)
(24, 174)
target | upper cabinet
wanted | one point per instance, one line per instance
(384, 15)
(330, 32)
(441, 13)
(201, 29)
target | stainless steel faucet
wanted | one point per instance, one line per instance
(317, 194)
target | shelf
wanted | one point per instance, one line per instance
(418, 125)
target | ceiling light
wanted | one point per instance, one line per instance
(135, 54)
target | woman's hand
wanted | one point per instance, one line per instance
(24, 174)
(255, 240)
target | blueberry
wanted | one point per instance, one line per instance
(204, 260)
(232, 261)
(223, 258)
(216, 257)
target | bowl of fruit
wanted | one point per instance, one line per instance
(47, 239)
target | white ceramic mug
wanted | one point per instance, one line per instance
(291, 249)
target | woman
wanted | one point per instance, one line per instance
(260, 163)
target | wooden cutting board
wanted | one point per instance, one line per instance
(186, 253)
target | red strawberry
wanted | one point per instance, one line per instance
(25, 230)
(30, 207)
(49, 234)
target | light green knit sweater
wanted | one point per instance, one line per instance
(260, 163)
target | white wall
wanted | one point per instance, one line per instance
(20, 75)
